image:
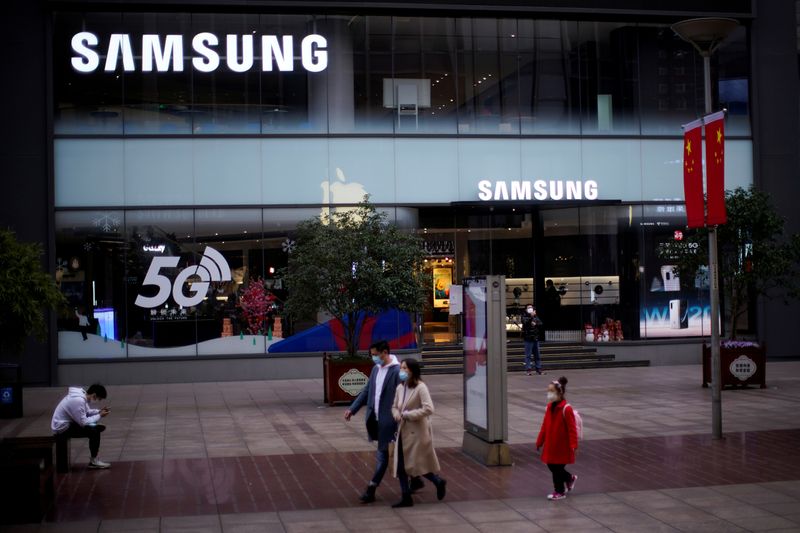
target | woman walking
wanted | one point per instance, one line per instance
(558, 439)
(414, 453)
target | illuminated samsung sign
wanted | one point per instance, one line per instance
(156, 53)
(537, 190)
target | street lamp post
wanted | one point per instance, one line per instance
(706, 34)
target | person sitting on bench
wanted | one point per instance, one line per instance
(74, 418)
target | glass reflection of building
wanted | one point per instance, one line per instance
(414, 111)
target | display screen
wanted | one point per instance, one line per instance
(672, 306)
(475, 354)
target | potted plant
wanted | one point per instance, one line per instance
(353, 265)
(755, 260)
(27, 292)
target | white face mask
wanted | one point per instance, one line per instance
(551, 397)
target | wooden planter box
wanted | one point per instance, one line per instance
(739, 366)
(344, 379)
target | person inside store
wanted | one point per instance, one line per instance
(532, 332)
(414, 451)
(551, 301)
(377, 396)
(74, 418)
(83, 322)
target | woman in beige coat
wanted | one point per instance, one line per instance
(414, 453)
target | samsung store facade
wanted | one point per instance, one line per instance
(185, 143)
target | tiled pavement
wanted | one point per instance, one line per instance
(268, 456)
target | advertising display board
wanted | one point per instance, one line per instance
(475, 356)
(485, 390)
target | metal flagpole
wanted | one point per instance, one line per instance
(705, 35)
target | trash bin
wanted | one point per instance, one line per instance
(10, 390)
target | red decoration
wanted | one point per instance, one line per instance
(254, 303)
(715, 168)
(693, 174)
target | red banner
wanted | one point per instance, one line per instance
(715, 168)
(693, 174)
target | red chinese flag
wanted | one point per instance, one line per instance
(715, 168)
(693, 174)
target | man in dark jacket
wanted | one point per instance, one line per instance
(532, 332)
(378, 396)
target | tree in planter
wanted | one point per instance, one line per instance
(755, 258)
(26, 293)
(350, 264)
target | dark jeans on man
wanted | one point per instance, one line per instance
(401, 470)
(74, 431)
(382, 458)
(532, 348)
(84, 330)
(560, 477)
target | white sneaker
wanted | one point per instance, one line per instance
(97, 463)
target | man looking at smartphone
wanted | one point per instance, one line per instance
(75, 418)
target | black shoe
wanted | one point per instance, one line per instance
(416, 484)
(369, 494)
(405, 502)
(441, 489)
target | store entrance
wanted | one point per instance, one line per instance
(461, 242)
(577, 264)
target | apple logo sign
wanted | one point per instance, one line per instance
(341, 192)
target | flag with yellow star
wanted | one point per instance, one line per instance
(693, 174)
(715, 168)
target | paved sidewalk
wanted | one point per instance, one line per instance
(233, 419)
(269, 456)
(728, 508)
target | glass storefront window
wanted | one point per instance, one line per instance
(224, 101)
(488, 76)
(608, 77)
(85, 103)
(549, 102)
(395, 75)
(159, 250)
(90, 271)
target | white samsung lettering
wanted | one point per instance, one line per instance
(590, 190)
(208, 60)
(88, 59)
(247, 53)
(540, 190)
(315, 58)
(520, 190)
(556, 189)
(119, 42)
(283, 55)
(540, 186)
(485, 190)
(500, 191)
(166, 53)
(152, 51)
(574, 190)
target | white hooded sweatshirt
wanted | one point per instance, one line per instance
(73, 408)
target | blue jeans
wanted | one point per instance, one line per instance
(532, 348)
(382, 460)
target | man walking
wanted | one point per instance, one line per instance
(378, 396)
(74, 418)
(531, 334)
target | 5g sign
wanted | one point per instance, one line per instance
(212, 267)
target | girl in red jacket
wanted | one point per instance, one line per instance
(559, 438)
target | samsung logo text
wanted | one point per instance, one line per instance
(156, 53)
(537, 190)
